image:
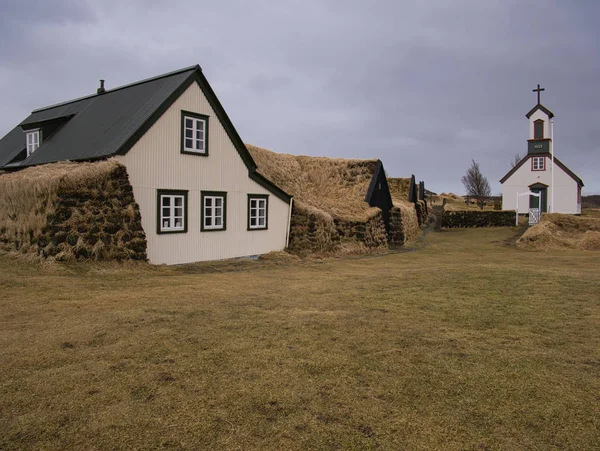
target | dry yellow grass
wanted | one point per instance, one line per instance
(425, 350)
(591, 212)
(558, 231)
(457, 203)
(399, 188)
(335, 186)
(410, 224)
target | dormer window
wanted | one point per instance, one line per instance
(538, 129)
(32, 138)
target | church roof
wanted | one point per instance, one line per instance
(559, 163)
(539, 106)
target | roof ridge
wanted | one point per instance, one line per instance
(118, 88)
(312, 156)
(540, 107)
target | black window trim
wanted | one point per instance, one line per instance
(171, 192)
(203, 117)
(204, 194)
(258, 196)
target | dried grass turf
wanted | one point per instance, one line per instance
(70, 211)
(558, 231)
(336, 186)
(330, 214)
(399, 188)
(405, 219)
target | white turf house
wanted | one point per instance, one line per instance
(199, 193)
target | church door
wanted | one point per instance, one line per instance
(534, 201)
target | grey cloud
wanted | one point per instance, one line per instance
(425, 88)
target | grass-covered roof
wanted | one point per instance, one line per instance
(336, 186)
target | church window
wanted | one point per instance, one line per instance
(538, 164)
(538, 129)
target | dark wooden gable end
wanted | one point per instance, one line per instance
(421, 190)
(413, 194)
(378, 194)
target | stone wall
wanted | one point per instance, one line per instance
(312, 231)
(71, 211)
(478, 218)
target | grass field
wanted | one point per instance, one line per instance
(467, 343)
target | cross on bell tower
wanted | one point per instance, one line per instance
(539, 92)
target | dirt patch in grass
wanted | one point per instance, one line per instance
(465, 344)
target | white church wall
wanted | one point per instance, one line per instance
(565, 194)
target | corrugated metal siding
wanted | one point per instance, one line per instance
(155, 162)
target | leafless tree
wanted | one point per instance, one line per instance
(515, 161)
(476, 185)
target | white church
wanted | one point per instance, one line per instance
(538, 172)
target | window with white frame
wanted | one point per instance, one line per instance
(194, 133)
(214, 210)
(172, 211)
(257, 211)
(538, 164)
(33, 141)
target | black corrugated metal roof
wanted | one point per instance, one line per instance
(100, 125)
(103, 125)
(11, 145)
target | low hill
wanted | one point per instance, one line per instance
(592, 201)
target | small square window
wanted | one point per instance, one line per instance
(258, 207)
(538, 164)
(194, 133)
(172, 211)
(214, 209)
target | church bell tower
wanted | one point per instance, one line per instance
(539, 141)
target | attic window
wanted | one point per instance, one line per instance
(194, 133)
(538, 129)
(32, 138)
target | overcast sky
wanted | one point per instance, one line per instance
(425, 86)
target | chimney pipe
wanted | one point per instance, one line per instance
(101, 89)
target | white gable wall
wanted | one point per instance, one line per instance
(155, 162)
(565, 194)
